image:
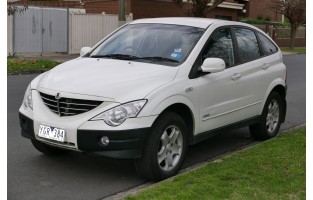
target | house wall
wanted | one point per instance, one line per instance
(151, 9)
(261, 8)
(109, 7)
(154, 8)
(91, 6)
(222, 12)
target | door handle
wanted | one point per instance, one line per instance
(265, 66)
(236, 76)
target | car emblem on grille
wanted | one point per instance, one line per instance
(58, 97)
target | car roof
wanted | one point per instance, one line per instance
(185, 21)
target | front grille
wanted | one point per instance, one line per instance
(63, 106)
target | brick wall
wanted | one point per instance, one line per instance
(223, 12)
(91, 6)
(109, 7)
(153, 8)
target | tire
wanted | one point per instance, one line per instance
(270, 122)
(48, 150)
(163, 153)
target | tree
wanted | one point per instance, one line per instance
(197, 8)
(13, 9)
(294, 11)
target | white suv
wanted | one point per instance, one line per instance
(155, 86)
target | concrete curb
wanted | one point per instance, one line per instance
(26, 72)
(135, 190)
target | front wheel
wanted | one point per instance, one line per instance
(270, 122)
(165, 148)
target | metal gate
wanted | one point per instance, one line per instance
(41, 30)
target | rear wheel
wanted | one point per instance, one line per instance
(48, 150)
(270, 122)
(165, 148)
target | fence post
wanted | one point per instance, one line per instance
(121, 13)
(274, 32)
(267, 27)
(68, 31)
(42, 31)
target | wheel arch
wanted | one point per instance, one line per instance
(186, 114)
(281, 88)
(183, 107)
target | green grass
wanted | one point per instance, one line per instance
(274, 169)
(16, 65)
(295, 50)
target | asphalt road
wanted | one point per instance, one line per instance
(32, 175)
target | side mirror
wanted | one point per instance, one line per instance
(212, 65)
(84, 50)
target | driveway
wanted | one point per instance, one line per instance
(32, 175)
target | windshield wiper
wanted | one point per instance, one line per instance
(130, 57)
(158, 58)
(116, 56)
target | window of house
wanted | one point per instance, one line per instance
(220, 45)
(248, 45)
(268, 45)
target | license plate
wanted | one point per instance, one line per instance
(51, 133)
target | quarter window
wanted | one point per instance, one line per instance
(220, 46)
(269, 47)
(247, 44)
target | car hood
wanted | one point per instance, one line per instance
(115, 79)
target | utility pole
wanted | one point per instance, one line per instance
(121, 13)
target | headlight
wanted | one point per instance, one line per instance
(28, 100)
(117, 115)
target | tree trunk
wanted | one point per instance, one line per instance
(293, 32)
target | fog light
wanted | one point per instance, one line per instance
(104, 140)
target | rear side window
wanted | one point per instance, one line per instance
(248, 45)
(268, 45)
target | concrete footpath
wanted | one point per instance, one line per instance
(63, 57)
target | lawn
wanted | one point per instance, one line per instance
(295, 50)
(274, 169)
(16, 65)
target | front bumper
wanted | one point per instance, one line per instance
(124, 144)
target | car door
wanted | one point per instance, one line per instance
(253, 69)
(221, 94)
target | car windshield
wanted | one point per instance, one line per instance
(154, 43)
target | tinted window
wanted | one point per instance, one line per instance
(269, 47)
(248, 45)
(220, 46)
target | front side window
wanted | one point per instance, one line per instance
(247, 44)
(220, 45)
(157, 43)
(269, 47)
